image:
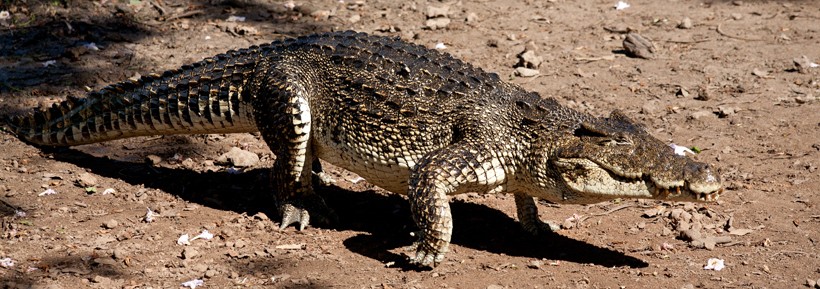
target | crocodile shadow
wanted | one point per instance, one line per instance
(384, 220)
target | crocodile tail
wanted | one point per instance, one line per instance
(205, 97)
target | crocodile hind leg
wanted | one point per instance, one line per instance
(528, 216)
(283, 117)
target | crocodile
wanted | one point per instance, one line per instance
(406, 118)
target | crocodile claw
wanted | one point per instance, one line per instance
(541, 228)
(305, 210)
(292, 215)
(427, 257)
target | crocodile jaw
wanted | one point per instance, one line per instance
(588, 180)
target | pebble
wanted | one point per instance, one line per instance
(472, 17)
(639, 46)
(210, 273)
(700, 114)
(528, 59)
(737, 16)
(189, 253)
(239, 158)
(199, 267)
(100, 279)
(526, 72)
(433, 12)
(86, 180)
(437, 23)
(188, 163)
(111, 224)
(105, 261)
(261, 216)
(802, 63)
(153, 160)
(686, 23)
(725, 111)
(119, 254)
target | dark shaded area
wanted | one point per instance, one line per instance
(58, 31)
(387, 219)
(247, 192)
(475, 226)
(263, 267)
(85, 265)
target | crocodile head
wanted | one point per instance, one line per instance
(614, 157)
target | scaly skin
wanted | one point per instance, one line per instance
(411, 120)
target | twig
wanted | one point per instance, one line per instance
(185, 15)
(688, 41)
(791, 252)
(615, 209)
(721, 32)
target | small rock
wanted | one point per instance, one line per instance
(650, 108)
(100, 279)
(686, 23)
(700, 114)
(682, 92)
(188, 163)
(210, 273)
(437, 23)
(434, 12)
(86, 180)
(110, 224)
(703, 93)
(355, 18)
(536, 264)
(653, 212)
(760, 73)
(802, 63)
(528, 59)
(105, 261)
(261, 216)
(690, 235)
(189, 253)
(725, 111)
(567, 224)
(238, 158)
(639, 46)
(526, 72)
(492, 42)
(199, 267)
(153, 160)
(737, 16)
(472, 17)
(709, 244)
(810, 283)
(120, 254)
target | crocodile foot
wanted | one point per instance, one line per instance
(426, 256)
(541, 228)
(304, 210)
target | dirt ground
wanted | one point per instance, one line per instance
(725, 81)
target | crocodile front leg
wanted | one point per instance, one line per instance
(439, 174)
(528, 216)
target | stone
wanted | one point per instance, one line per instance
(238, 158)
